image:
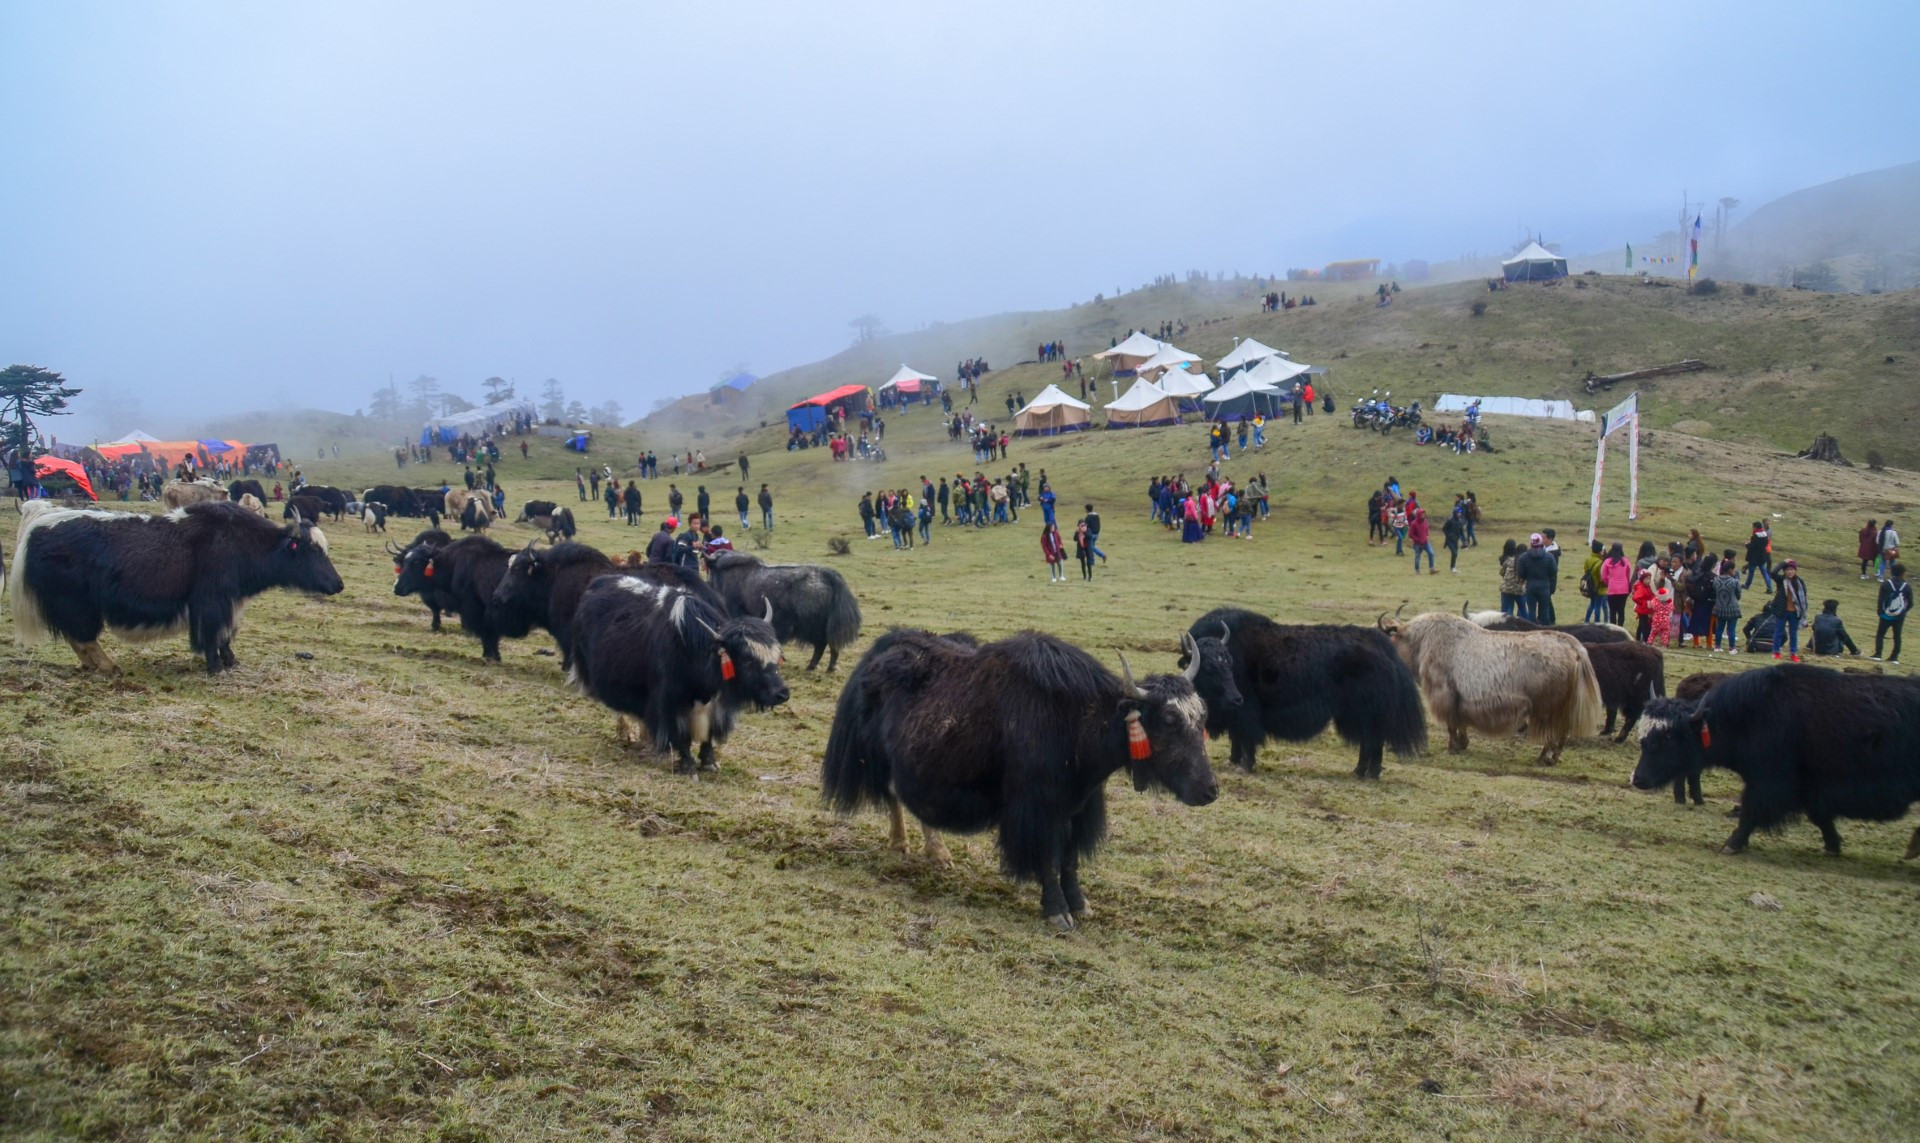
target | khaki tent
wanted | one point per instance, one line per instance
(1127, 356)
(1051, 412)
(1169, 356)
(1144, 404)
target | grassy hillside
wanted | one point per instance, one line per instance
(1861, 229)
(1786, 363)
(384, 891)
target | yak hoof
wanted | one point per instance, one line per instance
(1061, 922)
(1732, 850)
(1084, 911)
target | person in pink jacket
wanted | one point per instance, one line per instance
(1616, 579)
(1054, 552)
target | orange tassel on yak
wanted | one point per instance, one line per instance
(726, 665)
(1137, 745)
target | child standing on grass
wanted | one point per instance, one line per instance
(1662, 628)
(1083, 548)
(1726, 609)
(1052, 552)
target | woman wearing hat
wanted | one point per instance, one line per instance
(1789, 608)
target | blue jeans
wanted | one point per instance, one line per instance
(1786, 629)
(1093, 545)
(1723, 625)
(1540, 605)
(925, 523)
(1399, 540)
(1766, 576)
(743, 521)
(868, 521)
(1596, 610)
(1259, 438)
(1422, 547)
(766, 518)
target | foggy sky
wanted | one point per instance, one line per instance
(237, 206)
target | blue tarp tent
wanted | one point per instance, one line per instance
(578, 442)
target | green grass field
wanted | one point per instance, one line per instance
(389, 892)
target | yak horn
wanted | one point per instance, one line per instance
(395, 550)
(1192, 648)
(709, 628)
(1463, 610)
(1226, 632)
(1133, 688)
(1381, 622)
(769, 616)
(1399, 609)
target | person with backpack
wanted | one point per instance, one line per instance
(1591, 587)
(1789, 607)
(1829, 633)
(1512, 589)
(1896, 599)
(1726, 609)
(1760, 555)
(866, 516)
(1889, 548)
(1700, 597)
(1869, 547)
(1397, 524)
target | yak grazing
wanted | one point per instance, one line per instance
(1290, 681)
(1805, 741)
(77, 572)
(1019, 736)
(1500, 682)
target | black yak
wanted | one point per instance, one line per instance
(1018, 736)
(665, 656)
(1805, 741)
(1588, 633)
(543, 588)
(303, 507)
(812, 604)
(241, 488)
(145, 577)
(398, 499)
(560, 526)
(535, 510)
(1630, 675)
(462, 576)
(333, 501)
(1293, 680)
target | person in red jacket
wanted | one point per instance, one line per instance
(1869, 549)
(1054, 552)
(1417, 534)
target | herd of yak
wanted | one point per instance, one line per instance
(679, 658)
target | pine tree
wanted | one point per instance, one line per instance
(26, 392)
(553, 400)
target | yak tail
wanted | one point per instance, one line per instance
(1403, 714)
(1588, 709)
(852, 772)
(843, 617)
(30, 624)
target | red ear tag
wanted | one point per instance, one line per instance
(726, 664)
(1138, 748)
(293, 545)
(1706, 738)
(427, 571)
(396, 569)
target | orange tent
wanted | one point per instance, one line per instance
(53, 466)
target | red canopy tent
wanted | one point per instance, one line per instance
(46, 466)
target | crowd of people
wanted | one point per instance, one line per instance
(1400, 519)
(1687, 595)
(1196, 510)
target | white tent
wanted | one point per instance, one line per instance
(1137, 345)
(1168, 356)
(1182, 383)
(1144, 404)
(1240, 399)
(135, 437)
(479, 420)
(1052, 411)
(1276, 372)
(1534, 263)
(1513, 407)
(906, 375)
(1246, 353)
